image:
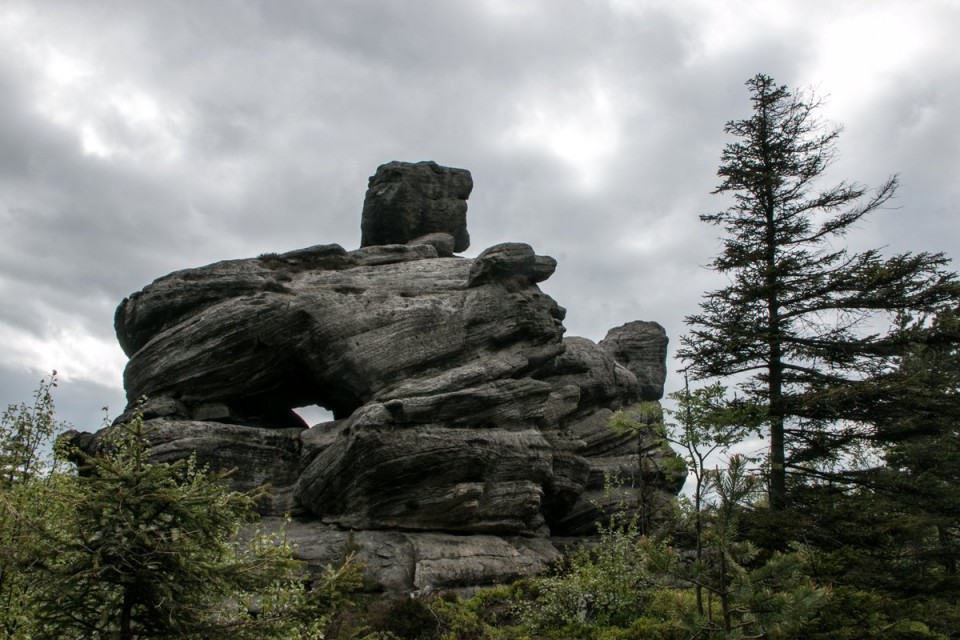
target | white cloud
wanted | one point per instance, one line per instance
(92, 143)
(69, 349)
(578, 125)
(863, 55)
(109, 115)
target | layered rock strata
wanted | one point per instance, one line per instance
(466, 432)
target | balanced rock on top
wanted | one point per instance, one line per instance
(406, 200)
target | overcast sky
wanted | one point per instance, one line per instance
(137, 138)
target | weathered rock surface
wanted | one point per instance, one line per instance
(467, 430)
(642, 348)
(336, 337)
(403, 561)
(407, 200)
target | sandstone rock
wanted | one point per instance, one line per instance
(405, 561)
(603, 384)
(431, 478)
(256, 456)
(642, 348)
(392, 253)
(600, 379)
(444, 243)
(467, 430)
(408, 200)
(512, 263)
(335, 338)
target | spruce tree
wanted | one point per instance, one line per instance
(809, 328)
(888, 538)
(156, 550)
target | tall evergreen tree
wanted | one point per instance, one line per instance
(798, 323)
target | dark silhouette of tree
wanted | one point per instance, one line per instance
(809, 328)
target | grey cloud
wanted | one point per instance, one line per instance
(282, 110)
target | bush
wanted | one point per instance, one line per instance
(606, 585)
(854, 614)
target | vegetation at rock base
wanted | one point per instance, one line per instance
(30, 481)
(129, 548)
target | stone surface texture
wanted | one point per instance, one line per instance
(467, 432)
(407, 200)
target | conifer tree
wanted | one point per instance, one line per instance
(132, 548)
(154, 549)
(798, 321)
(921, 470)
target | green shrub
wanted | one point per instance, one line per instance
(606, 585)
(854, 614)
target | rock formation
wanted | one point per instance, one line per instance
(467, 431)
(407, 200)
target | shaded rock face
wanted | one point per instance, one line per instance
(467, 430)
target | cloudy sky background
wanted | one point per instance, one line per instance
(137, 138)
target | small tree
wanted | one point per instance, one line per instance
(747, 596)
(31, 481)
(707, 424)
(607, 584)
(739, 594)
(797, 320)
(657, 465)
(151, 550)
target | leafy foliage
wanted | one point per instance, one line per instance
(605, 584)
(30, 486)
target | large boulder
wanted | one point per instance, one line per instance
(466, 431)
(400, 561)
(642, 348)
(407, 200)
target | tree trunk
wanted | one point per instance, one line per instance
(778, 473)
(126, 611)
(777, 484)
(948, 559)
(725, 594)
(698, 520)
